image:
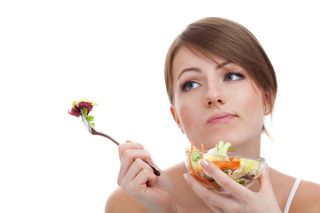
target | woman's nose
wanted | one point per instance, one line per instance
(213, 96)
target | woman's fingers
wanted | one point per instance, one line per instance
(133, 159)
(212, 199)
(143, 179)
(129, 156)
(137, 178)
(128, 145)
(239, 198)
(224, 180)
(136, 167)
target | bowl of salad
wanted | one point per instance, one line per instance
(243, 170)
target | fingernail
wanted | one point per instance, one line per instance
(204, 163)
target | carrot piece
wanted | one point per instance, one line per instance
(228, 164)
(198, 173)
(193, 173)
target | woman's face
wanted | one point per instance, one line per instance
(216, 101)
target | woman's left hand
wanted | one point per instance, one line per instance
(239, 198)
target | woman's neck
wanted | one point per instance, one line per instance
(251, 148)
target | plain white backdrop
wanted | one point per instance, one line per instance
(112, 52)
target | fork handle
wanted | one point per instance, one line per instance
(155, 170)
(95, 132)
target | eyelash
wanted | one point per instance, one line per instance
(226, 76)
(187, 83)
(239, 76)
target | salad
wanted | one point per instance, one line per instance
(242, 170)
(83, 106)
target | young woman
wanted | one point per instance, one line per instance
(220, 84)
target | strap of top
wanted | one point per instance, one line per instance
(291, 195)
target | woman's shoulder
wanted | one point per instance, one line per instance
(178, 168)
(121, 202)
(307, 198)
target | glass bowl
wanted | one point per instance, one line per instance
(243, 170)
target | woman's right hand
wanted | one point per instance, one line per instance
(137, 178)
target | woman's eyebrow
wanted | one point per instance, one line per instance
(195, 69)
(189, 69)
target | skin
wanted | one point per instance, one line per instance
(210, 88)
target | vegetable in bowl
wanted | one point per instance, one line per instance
(241, 169)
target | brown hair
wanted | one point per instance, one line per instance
(228, 40)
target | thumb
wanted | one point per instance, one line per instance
(152, 180)
(264, 180)
(266, 190)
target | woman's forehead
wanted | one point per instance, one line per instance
(205, 55)
(186, 57)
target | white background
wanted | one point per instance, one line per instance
(53, 52)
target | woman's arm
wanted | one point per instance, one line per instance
(121, 202)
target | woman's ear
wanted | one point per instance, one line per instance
(174, 115)
(267, 104)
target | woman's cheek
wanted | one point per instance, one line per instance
(185, 114)
(254, 109)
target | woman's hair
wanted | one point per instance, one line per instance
(218, 37)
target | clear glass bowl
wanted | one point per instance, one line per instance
(243, 170)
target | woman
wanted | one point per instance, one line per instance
(220, 84)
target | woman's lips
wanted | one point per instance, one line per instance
(220, 118)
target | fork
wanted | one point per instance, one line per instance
(92, 131)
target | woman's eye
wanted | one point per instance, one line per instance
(189, 85)
(232, 76)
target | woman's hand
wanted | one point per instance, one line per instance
(239, 198)
(137, 178)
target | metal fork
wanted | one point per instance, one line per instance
(92, 131)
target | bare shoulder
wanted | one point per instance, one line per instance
(179, 168)
(121, 202)
(307, 198)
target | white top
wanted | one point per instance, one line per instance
(291, 195)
